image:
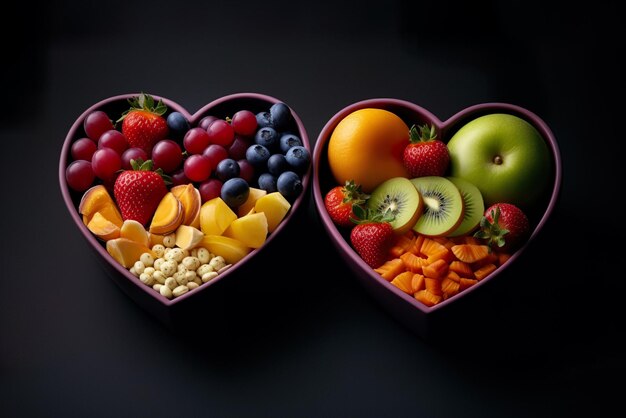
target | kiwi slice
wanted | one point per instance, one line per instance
(473, 203)
(443, 206)
(399, 198)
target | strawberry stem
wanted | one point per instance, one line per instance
(144, 102)
(426, 133)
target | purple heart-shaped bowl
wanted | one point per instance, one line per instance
(406, 308)
(222, 108)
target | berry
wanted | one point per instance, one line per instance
(237, 149)
(210, 189)
(143, 124)
(96, 123)
(83, 149)
(196, 140)
(132, 154)
(177, 124)
(113, 139)
(79, 175)
(206, 121)
(425, 155)
(227, 169)
(289, 185)
(257, 155)
(280, 115)
(215, 153)
(179, 177)
(287, 141)
(267, 182)
(263, 119)
(221, 133)
(167, 155)
(138, 192)
(372, 237)
(235, 192)
(197, 167)
(298, 158)
(277, 164)
(105, 162)
(339, 201)
(244, 123)
(268, 137)
(504, 226)
(246, 171)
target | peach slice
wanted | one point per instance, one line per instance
(188, 237)
(231, 249)
(190, 198)
(102, 227)
(126, 251)
(135, 231)
(248, 205)
(215, 216)
(275, 207)
(98, 199)
(168, 216)
(250, 229)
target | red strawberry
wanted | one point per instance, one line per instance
(143, 124)
(504, 225)
(138, 192)
(339, 201)
(425, 155)
(372, 237)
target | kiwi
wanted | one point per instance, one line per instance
(443, 206)
(473, 203)
(399, 198)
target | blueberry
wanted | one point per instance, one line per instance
(288, 140)
(277, 164)
(177, 124)
(267, 182)
(298, 158)
(289, 185)
(280, 116)
(263, 119)
(227, 169)
(268, 137)
(235, 192)
(257, 155)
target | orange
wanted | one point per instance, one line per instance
(366, 146)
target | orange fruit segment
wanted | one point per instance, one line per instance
(102, 227)
(135, 231)
(470, 253)
(168, 215)
(126, 251)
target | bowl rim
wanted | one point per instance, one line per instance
(363, 271)
(193, 118)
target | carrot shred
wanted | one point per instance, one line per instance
(427, 298)
(418, 282)
(463, 269)
(403, 282)
(484, 271)
(470, 253)
(466, 283)
(413, 262)
(390, 269)
(436, 270)
(433, 286)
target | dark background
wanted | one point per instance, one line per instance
(311, 342)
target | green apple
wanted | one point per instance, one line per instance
(504, 156)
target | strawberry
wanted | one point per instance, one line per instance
(425, 155)
(339, 202)
(138, 192)
(143, 124)
(504, 225)
(372, 237)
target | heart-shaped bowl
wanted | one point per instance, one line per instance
(170, 311)
(404, 307)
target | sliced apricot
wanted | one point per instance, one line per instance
(102, 227)
(135, 231)
(126, 251)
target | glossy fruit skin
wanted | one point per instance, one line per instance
(298, 158)
(504, 156)
(366, 146)
(289, 185)
(167, 155)
(512, 219)
(263, 119)
(280, 115)
(132, 154)
(339, 201)
(215, 153)
(267, 182)
(268, 137)
(138, 193)
(206, 121)
(105, 162)
(425, 155)
(143, 129)
(197, 167)
(244, 123)
(177, 124)
(237, 149)
(83, 149)
(221, 133)
(227, 169)
(246, 170)
(196, 140)
(210, 189)
(257, 155)
(96, 123)
(235, 192)
(287, 141)
(113, 139)
(277, 164)
(79, 175)
(372, 242)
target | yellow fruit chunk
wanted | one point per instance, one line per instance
(188, 237)
(231, 249)
(102, 227)
(215, 217)
(248, 205)
(190, 198)
(275, 207)
(126, 251)
(250, 229)
(135, 231)
(168, 215)
(97, 199)
(155, 239)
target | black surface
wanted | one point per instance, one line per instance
(311, 342)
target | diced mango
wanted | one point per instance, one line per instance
(249, 229)
(135, 231)
(215, 217)
(248, 205)
(231, 249)
(188, 237)
(102, 227)
(126, 251)
(275, 207)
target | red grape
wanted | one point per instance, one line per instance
(105, 162)
(197, 167)
(244, 123)
(83, 149)
(210, 189)
(196, 140)
(246, 171)
(206, 121)
(133, 154)
(79, 175)
(96, 123)
(215, 153)
(167, 155)
(238, 148)
(179, 178)
(113, 139)
(221, 133)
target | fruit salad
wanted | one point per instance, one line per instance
(178, 204)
